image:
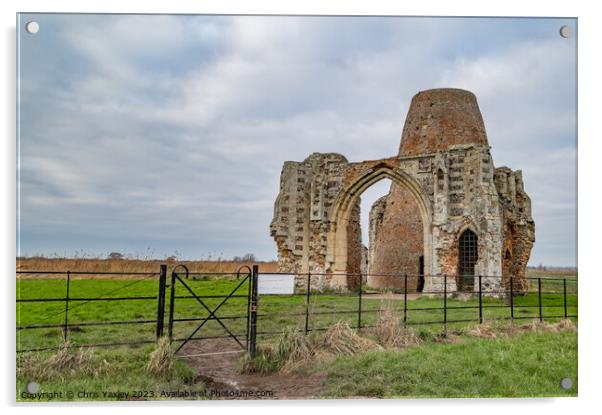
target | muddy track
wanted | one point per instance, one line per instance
(217, 369)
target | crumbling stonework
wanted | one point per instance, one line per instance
(443, 183)
(377, 214)
(354, 247)
(398, 242)
(364, 267)
(519, 228)
(300, 226)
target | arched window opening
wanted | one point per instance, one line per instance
(468, 256)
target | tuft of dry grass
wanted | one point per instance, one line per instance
(294, 349)
(489, 331)
(265, 362)
(293, 344)
(161, 360)
(485, 331)
(536, 325)
(567, 324)
(65, 362)
(65, 358)
(447, 337)
(341, 339)
(388, 331)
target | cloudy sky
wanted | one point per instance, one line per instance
(161, 135)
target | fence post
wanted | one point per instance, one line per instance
(66, 326)
(161, 300)
(539, 298)
(253, 328)
(511, 298)
(250, 283)
(307, 300)
(172, 302)
(564, 295)
(445, 302)
(480, 300)
(359, 310)
(405, 299)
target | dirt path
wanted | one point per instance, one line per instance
(218, 372)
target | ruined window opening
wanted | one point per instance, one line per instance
(440, 179)
(468, 255)
(508, 254)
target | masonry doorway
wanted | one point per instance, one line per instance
(340, 239)
(468, 256)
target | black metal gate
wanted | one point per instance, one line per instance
(245, 276)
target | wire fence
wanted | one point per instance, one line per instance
(313, 307)
(73, 308)
(39, 317)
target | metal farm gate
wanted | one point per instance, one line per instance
(241, 286)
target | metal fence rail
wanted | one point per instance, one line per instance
(72, 303)
(545, 298)
(506, 295)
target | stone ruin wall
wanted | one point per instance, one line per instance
(519, 227)
(467, 199)
(308, 189)
(375, 220)
(445, 150)
(448, 123)
(398, 241)
(303, 212)
(354, 247)
(464, 196)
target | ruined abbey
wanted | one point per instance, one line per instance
(449, 211)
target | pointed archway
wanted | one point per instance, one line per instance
(360, 177)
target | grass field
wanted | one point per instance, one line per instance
(531, 364)
(101, 374)
(274, 314)
(124, 367)
(524, 364)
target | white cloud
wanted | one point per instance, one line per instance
(176, 127)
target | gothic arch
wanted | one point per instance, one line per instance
(355, 186)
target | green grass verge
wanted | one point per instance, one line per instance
(274, 311)
(101, 375)
(122, 368)
(529, 365)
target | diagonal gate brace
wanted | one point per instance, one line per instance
(212, 315)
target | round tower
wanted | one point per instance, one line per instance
(436, 120)
(440, 118)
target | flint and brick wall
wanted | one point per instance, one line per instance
(444, 152)
(398, 241)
